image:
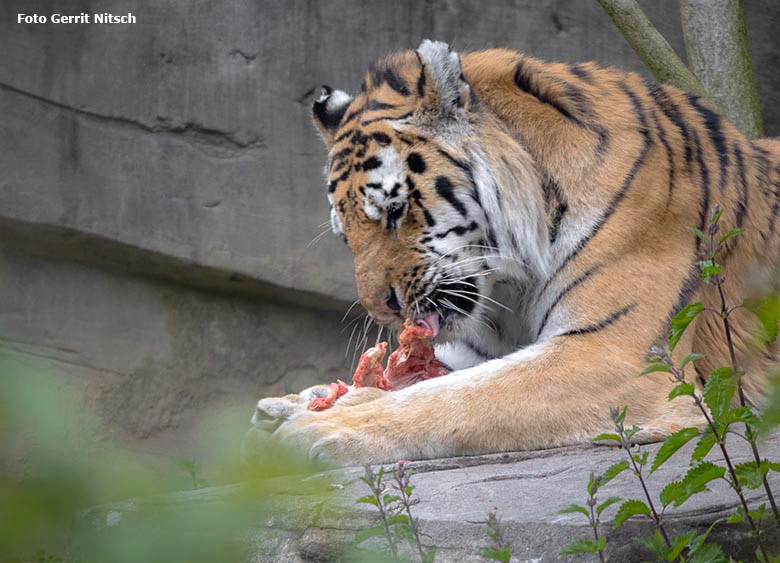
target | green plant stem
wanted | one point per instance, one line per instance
(638, 473)
(406, 500)
(734, 481)
(376, 488)
(594, 523)
(742, 402)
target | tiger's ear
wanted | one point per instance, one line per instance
(328, 111)
(441, 85)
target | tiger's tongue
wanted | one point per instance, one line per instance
(431, 322)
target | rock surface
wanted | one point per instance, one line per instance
(527, 489)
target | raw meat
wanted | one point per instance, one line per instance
(411, 362)
(335, 390)
(370, 372)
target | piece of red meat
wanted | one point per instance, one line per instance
(412, 361)
(335, 390)
(370, 372)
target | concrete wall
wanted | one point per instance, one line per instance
(160, 182)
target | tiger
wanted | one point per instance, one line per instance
(538, 214)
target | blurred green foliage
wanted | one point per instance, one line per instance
(63, 493)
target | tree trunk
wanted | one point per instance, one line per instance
(716, 45)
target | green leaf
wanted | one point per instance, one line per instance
(737, 518)
(593, 483)
(363, 535)
(612, 472)
(673, 443)
(580, 546)
(398, 519)
(629, 433)
(678, 544)
(740, 414)
(642, 458)
(670, 492)
(368, 500)
(390, 499)
(751, 475)
(607, 436)
(768, 312)
(708, 269)
(681, 321)
(682, 389)
(690, 358)
(654, 543)
(695, 481)
(503, 554)
(708, 553)
(575, 508)
(430, 556)
(609, 502)
(704, 446)
(732, 233)
(652, 368)
(699, 234)
(622, 416)
(718, 392)
(628, 509)
(759, 514)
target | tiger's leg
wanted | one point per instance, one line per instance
(546, 395)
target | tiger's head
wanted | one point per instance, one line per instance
(408, 184)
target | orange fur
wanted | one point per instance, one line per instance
(643, 158)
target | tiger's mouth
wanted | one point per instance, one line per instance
(447, 306)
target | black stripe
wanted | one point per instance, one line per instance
(421, 78)
(602, 324)
(669, 153)
(742, 198)
(381, 138)
(621, 194)
(581, 72)
(688, 288)
(590, 271)
(705, 181)
(462, 164)
(691, 142)
(352, 115)
(417, 198)
(372, 105)
(552, 190)
(478, 351)
(444, 189)
(342, 153)
(380, 75)
(672, 112)
(383, 117)
(713, 124)
(459, 230)
(523, 81)
(343, 136)
(334, 183)
(776, 204)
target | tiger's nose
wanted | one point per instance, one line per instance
(392, 301)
